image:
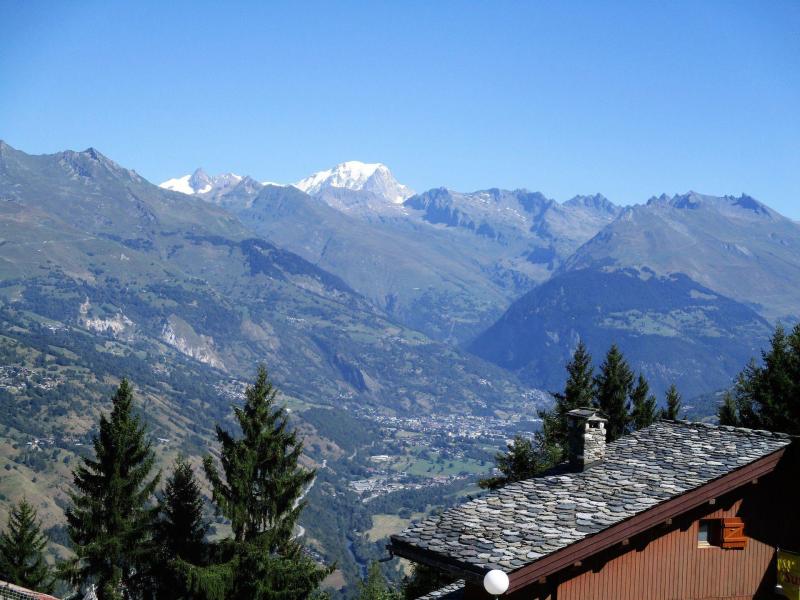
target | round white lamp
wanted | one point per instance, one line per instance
(495, 582)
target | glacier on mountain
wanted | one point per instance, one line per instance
(375, 178)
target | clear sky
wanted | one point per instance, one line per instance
(629, 99)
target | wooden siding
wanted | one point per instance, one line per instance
(668, 565)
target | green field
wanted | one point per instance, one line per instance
(413, 465)
(384, 525)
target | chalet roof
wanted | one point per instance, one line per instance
(525, 521)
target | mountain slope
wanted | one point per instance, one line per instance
(531, 234)
(733, 245)
(669, 327)
(688, 285)
(427, 272)
(86, 241)
(420, 276)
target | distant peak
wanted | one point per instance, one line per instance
(355, 175)
(749, 203)
(692, 200)
(92, 152)
(594, 201)
(200, 182)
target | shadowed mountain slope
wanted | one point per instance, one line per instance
(669, 327)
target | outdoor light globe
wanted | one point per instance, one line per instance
(495, 582)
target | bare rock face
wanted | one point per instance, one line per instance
(181, 336)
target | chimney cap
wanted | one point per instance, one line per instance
(587, 414)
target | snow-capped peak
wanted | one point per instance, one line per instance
(356, 175)
(200, 182)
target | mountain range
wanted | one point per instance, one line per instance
(442, 262)
(359, 287)
(91, 246)
(498, 271)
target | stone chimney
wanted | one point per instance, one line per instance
(586, 437)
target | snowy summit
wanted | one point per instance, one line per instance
(200, 182)
(355, 175)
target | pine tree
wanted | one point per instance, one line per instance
(375, 586)
(182, 527)
(181, 530)
(579, 391)
(522, 461)
(22, 547)
(768, 396)
(643, 405)
(260, 491)
(728, 414)
(673, 404)
(112, 516)
(613, 385)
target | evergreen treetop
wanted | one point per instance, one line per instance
(112, 515)
(375, 586)
(22, 548)
(182, 526)
(767, 396)
(579, 392)
(673, 404)
(180, 532)
(263, 483)
(643, 405)
(613, 385)
(260, 490)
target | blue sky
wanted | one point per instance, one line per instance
(627, 98)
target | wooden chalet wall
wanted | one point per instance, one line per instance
(671, 566)
(666, 563)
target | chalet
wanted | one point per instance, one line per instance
(676, 511)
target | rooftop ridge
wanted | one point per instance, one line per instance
(729, 428)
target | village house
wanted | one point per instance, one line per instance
(676, 511)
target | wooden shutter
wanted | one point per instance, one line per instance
(733, 533)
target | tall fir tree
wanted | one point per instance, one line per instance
(643, 405)
(767, 396)
(112, 516)
(614, 383)
(672, 409)
(579, 392)
(22, 550)
(260, 491)
(181, 531)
